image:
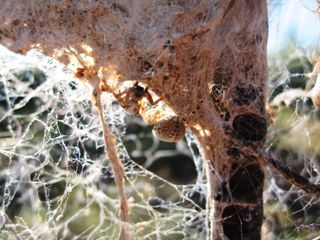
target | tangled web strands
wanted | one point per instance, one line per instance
(195, 52)
(57, 182)
(138, 40)
(171, 47)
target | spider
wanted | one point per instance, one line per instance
(169, 129)
(131, 98)
(166, 128)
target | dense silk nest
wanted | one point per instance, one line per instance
(207, 59)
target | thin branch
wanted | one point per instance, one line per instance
(290, 175)
(117, 168)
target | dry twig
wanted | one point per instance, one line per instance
(117, 168)
(290, 175)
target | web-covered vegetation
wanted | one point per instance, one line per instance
(56, 182)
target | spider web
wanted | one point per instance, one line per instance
(56, 182)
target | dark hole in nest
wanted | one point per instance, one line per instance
(241, 222)
(249, 127)
(244, 96)
(233, 151)
(246, 183)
